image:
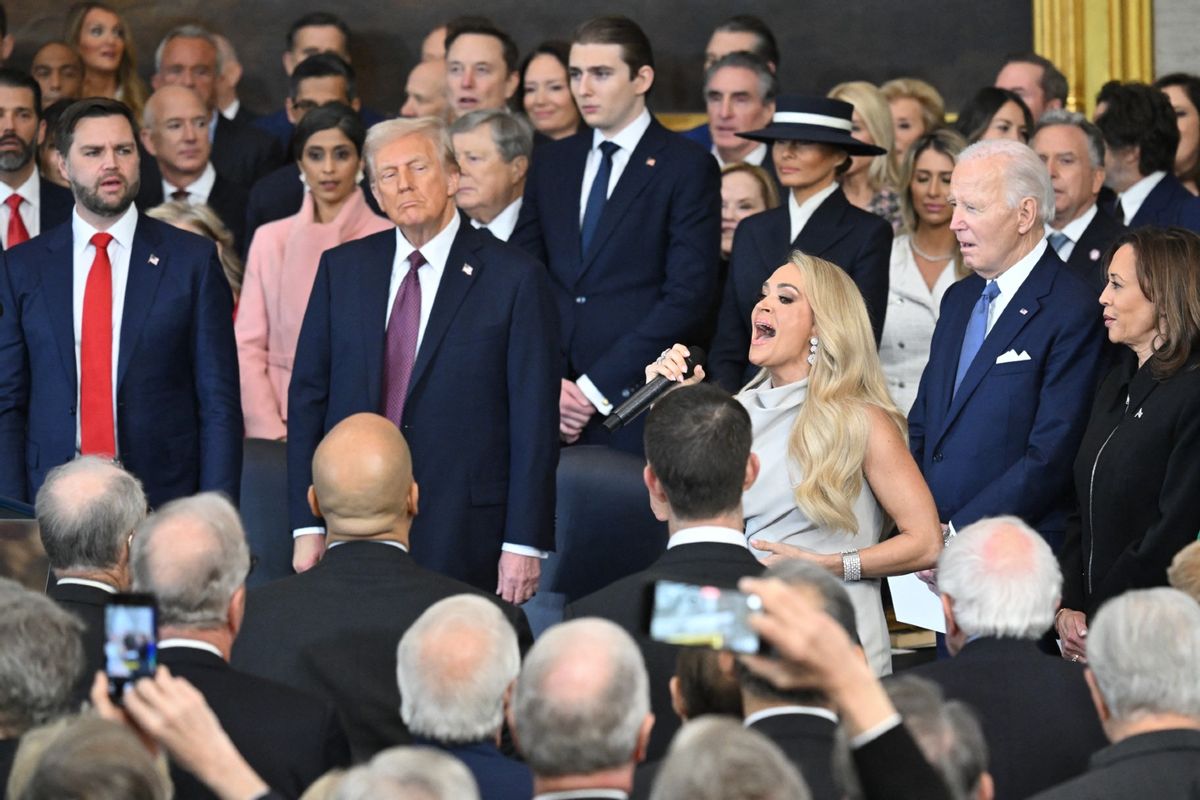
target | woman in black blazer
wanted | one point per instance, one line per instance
(1137, 475)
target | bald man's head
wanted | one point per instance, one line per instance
(363, 480)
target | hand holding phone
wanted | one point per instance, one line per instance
(701, 616)
(130, 640)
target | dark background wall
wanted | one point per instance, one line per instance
(954, 45)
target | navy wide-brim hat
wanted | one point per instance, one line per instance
(813, 119)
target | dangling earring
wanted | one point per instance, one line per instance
(303, 180)
(812, 350)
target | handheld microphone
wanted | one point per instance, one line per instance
(644, 397)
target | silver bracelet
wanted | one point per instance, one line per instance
(851, 566)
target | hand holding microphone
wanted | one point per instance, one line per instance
(677, 366)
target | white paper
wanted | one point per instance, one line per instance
(915, 603)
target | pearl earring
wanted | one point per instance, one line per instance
(812, 350)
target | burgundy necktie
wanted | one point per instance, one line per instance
(401, 347)
(96, 436)
(17, 232)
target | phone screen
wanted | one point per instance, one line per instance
(703, 616)
(130, 640)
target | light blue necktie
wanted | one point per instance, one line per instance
(598, 196)
(1058, 240)
(976, 331)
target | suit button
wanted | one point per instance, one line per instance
(937, 457)
(901, 384)
(580, 300)
(900, 345)
(624, 393)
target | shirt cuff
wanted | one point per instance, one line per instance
(871, 734)
(524, 550)
(313, 531)
(593, 394)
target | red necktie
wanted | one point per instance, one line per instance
(95, 357)
(401, 344)
(17, 232)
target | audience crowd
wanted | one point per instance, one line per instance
(964, 350)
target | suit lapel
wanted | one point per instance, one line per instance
(1158, 199)
(824, 227)
(140, 287)
(571, 184)
(456, 281)
(372, 308)
(58, 284)
(637, 173)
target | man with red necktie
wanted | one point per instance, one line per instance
(115, 333)
(29, 203)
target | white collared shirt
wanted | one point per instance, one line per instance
(801, 213)
(388, 542)
(193, 644)
(1011, 279)
(436, 251)
(198, 190)
(503, 224)
(756, 156)
(709, 534)
(213, 121)
(779, 711)
(30, 208)
(230, 111)
(1132, 198)
(119, 250)
(575, 794)
(87, 582)
(627, 139)
(1073, 230)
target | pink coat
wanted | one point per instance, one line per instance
(279, 277)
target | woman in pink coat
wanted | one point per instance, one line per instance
(284, 257)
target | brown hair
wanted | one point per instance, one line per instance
(133, 88)
(1168, 273)
(949, 143)
(766, 184)
(635, 46)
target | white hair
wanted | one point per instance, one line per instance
(1001, 588)
(717, 758)
(409, 773)
(384, 133)
(581, 699)
(1024, 173)
(453, 666)
(1144, 650)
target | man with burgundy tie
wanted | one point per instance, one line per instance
(116, 333)
(452, 335)
(1005, 396)
(29, 204)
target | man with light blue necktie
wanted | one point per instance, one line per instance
(1015, 355)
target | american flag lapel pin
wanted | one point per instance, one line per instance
(153, 260)
(468, 269)
(650, 162)
(1024, 311)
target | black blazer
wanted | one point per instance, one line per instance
(1136, 479)
(333, 631)
(88, 604)
(56, 204)
(807, 741)
(289, 738)
(1088, 256)
(1169, 204)
(892, 767)
(857, 241)
(227, 199)
(622, 603)
(1159, 765)
(1036, 713)
(279, 194)
(243, 153)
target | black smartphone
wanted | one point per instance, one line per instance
(701, 616)
(130, 640)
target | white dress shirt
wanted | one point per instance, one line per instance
(801, 213)
(104, 587)
(30, 208)
(1011, 279)
(779, 711)
(709, 534)
(627, 139)
(756, 156)
(230, 111)
(84, 253)
(1132, 198)
(1073, 230)
(576, 794)
(198, 190)
(192, 644)
(388, 542)
(504, 223)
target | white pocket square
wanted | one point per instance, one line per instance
(1011, 356)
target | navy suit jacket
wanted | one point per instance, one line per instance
(1005, 442)
(498, 776)
(650, 275)
(857, 241)
(1169, 204)
(1087, 258)
(56, 204)
(179, 411)
(481, 417)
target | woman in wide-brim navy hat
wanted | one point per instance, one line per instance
(810, 146)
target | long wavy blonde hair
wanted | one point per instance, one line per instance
(828, 441)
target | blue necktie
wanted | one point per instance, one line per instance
(1058, 240)
(976, 331)
(598, 195)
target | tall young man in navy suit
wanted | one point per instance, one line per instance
(1006, 393)
(626, 217)
(116, 333)
(450, 333)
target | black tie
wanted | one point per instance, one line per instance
(598, 195)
